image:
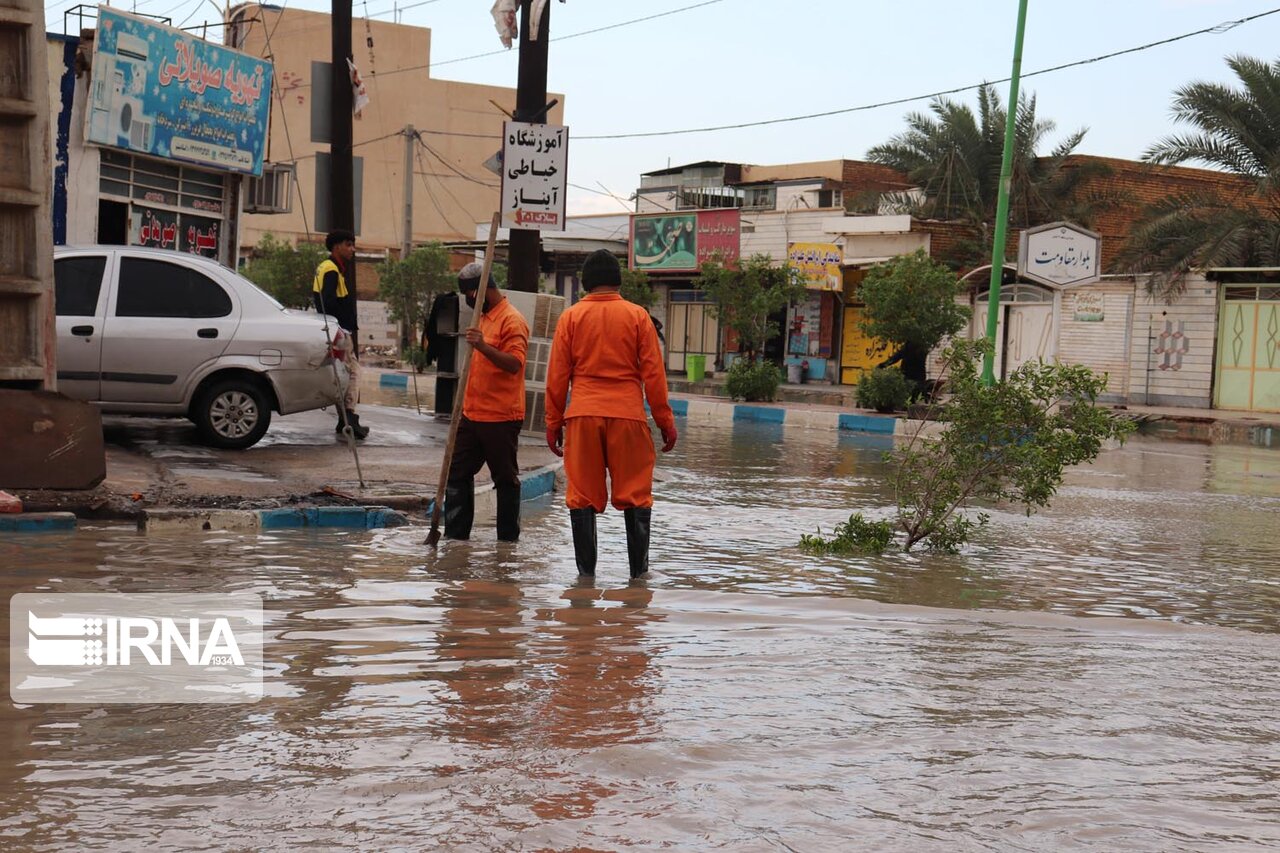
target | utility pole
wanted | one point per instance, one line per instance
(525, 247)
(342, 205)
(410, 137)
(1002, 200)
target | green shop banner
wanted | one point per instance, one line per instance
(682, 242)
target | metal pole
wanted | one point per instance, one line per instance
(524, 253)
(342, 206)
(1002, 199)
(406, 244)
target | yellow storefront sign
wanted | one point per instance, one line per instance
(819, 264)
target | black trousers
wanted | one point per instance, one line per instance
(481, 443)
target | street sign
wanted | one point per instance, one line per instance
(1060, 254)
(534, 175)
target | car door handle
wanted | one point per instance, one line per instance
(82, 331)
(207, 333)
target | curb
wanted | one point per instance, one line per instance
(703, 410)
(37, 522)
(533, 484)
(393, 380)
(192, 520)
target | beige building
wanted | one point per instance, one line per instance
(459, 129)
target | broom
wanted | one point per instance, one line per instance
(433, 538)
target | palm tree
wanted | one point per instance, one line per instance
(1238, 133)
(954, 157)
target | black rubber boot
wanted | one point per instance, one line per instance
(360, 432)
(459, 509)
(341, 421)
(583, 522)
(508, 512)
(637, 524)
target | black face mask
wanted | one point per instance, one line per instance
(470, 296)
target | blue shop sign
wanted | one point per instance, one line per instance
(160, 91)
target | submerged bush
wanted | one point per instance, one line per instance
(754, 381)
(855, 536)
(1004, 443)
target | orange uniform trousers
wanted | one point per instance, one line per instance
(619, 446)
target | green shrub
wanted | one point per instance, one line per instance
(855, 536)
(416, 356)
(756, 381)
(884, 389)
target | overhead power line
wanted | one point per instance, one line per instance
(1214, 30)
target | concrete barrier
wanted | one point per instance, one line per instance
(37, 522)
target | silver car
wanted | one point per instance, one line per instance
(155, 332)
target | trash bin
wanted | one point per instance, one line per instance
(795, 373)
(695, 367)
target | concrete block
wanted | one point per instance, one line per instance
(393, 380)
(37, 522)
(197, 520)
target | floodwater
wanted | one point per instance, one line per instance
(1101, 676)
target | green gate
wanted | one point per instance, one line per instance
(1248, 369)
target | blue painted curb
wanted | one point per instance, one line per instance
(764, 414)
(680, 408)
(869, 423)
(537, 485)
(36, 522)
(352, 517)
(394, 380)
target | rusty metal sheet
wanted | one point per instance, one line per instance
(49, 441)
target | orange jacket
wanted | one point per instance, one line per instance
(493, 395)
(608, 349)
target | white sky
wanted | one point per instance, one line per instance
(730, 61)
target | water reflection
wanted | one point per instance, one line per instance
(481, 699)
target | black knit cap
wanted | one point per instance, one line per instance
(601, 268)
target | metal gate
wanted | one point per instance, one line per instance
(1248, 368)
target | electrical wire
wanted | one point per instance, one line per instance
(1217, 29)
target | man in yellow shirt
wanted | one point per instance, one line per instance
(492, 412)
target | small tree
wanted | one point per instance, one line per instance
(407, 284)
(911, 304)
(286, 272)
(636, 288)
(1008, 442)
(745, 296)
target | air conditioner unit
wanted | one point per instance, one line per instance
(273, 192)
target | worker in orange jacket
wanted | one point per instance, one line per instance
(492, 411)
(607, 349)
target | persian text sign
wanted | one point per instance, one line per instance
(534, 173)
(156, 90)
(145, 647)
(1059, 254)
(683, 242)
(819, 264)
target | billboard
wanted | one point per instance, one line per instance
(159, 91)
(682, 242)
(818, 263)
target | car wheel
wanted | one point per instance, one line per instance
(233, 414)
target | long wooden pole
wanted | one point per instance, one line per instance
(433, 538)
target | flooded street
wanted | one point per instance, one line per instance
(1101, 676)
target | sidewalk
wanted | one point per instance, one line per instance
(813, 406)
(157, 463)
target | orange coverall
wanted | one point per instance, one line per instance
(607, 349)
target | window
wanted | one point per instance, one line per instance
(150, 288)
(760, 197)
(829, 198)
(76, 283)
